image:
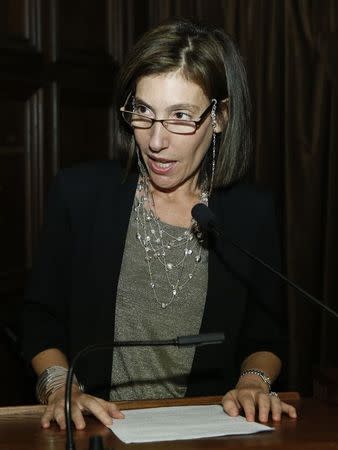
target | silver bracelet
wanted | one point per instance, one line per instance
(260, 373)
(52, 379)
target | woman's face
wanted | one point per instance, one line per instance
(172, 160)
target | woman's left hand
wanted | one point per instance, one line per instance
(252, 399)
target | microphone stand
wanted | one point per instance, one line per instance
(194, 340)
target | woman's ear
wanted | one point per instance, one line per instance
(222, 115)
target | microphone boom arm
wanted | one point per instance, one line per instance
(284, 278)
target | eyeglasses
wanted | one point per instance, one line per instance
(177, 126)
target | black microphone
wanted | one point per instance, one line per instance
(208, 221)
(193, 340)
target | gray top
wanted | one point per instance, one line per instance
(156, 372)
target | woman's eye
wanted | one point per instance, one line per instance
(141, 109)
(182, 115)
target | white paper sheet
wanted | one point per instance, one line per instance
(180, 422)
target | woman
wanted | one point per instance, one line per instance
(122, 258)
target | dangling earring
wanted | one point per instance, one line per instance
(140, 164)
(213, 124)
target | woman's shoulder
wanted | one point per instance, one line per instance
(82, 183)
(91, 171)
(246, 201)
(244, 192)
(86, 177)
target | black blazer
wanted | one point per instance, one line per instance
(70, 300)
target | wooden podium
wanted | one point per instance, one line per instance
(315, 429)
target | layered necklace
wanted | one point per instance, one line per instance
(159, 244)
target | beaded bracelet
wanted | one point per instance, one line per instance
(52, 379)
(260, 373)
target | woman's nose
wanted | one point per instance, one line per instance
(158, 137)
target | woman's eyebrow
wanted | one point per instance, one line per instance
(189, 106)
(140, 100)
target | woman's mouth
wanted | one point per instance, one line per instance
(161, 167)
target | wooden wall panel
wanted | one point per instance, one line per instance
(13, 18)
(20, 25)
(82, 29)
(34, 170)
(84, 134)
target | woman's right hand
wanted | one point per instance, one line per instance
(81, 404)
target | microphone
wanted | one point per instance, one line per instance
(208, 221)
(180, 341)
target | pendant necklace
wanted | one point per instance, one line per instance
(159, 244)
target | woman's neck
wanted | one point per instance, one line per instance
(174, 207)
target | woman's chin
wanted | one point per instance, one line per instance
(171, 184)
(164, 184)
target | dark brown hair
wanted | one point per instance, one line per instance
(207, 56)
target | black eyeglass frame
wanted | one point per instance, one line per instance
(197, 122)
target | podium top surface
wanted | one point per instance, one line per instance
(315, 429)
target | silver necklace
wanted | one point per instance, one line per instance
(158, 243)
